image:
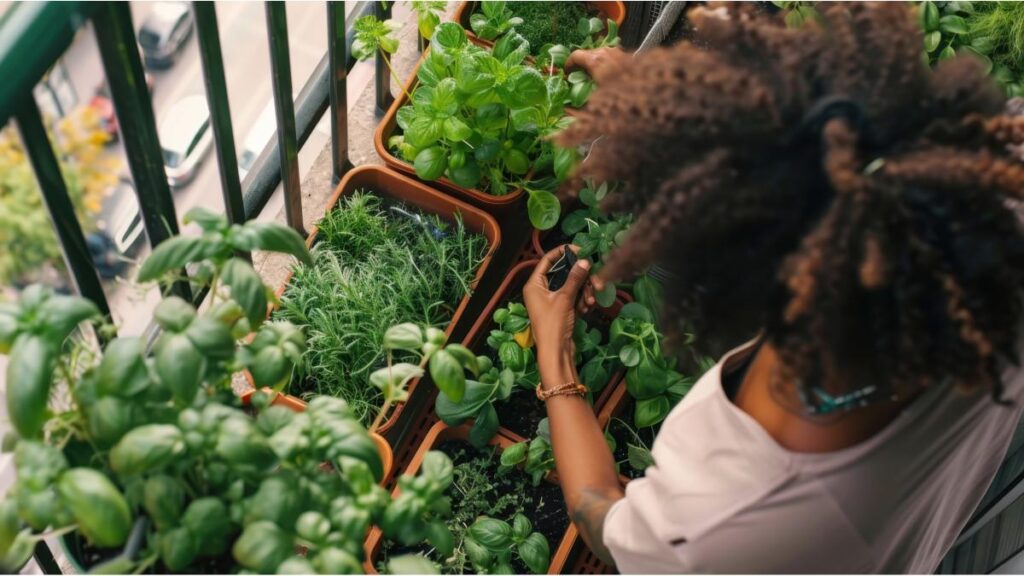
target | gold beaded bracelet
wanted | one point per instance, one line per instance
(569, 388)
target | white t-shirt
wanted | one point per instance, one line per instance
(725, 497)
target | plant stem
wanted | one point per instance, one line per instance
(387, 62)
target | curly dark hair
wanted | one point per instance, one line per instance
(881, 250)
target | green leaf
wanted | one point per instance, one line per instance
(650, 411)
(640, 458)
(491, 533)
(564, 161)
(467, 175)
(543, 208)
(430, 163)
(526, 87)
(262, 546)
(947, 53)
(411, 564)
(648, 293)
(485, 426)
(406, 336)
(99, 508)
(629, 356)
(477, 394)
(931, 41)
(535, 553)
(164, 500)
(440, 537)
(438, 467)
(514, 454)
(207, 219)
(982, 44)
(521, 527)
(456, 130)
(478, 555)
(446, 371)
(449, 35)
(606, 296)
(29, 375)
(211, 337)
(146, 449)
(516, 161)
(636, 310)
(122, 371)
(526, 119)
(953, 24)
(62, 314)
(174, 253)
(247, 289)
(929, 16)
(178, 548)
(393, 380)
(465, 357)
(174, 314)
(271, 237)
(180, 367)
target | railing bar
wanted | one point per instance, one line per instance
(55, 195)
(281, 73)
(115, 35)
(310, 105)
(382, 78)
(220, 110)
(338, 88)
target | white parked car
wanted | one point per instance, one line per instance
(186, 137)
(257, 139)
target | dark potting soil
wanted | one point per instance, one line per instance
(89, 556)
(620, 429)
(521, 413)
(553, 239)
(480, 489)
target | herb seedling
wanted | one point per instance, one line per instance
(491, 543)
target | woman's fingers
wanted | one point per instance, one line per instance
(539, 276)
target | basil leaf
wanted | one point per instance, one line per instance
(485, 426)
(650, 411)
(543, 209)
(430, 163)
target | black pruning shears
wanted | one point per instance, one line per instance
(436, 232)
(559, 271)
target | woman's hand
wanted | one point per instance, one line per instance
(553, 313)
(594, 61)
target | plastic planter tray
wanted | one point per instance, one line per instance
(609, 11)
(511, 287)
(438, 434)
(389, 184)
(496, 205)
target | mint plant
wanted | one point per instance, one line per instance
(651, 377)
(481, 118)
(428, 17)
(494, 19)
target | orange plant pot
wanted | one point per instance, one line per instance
(495, 205)
(609, 10)
(386, 183)
(387, 457)
(439, 433)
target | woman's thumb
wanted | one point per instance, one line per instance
(577, 276)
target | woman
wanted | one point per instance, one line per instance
(822, 194)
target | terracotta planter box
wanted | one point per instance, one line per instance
(439, 434)
(391, 185)
(495, 205)
(511, 289)
(615, 11)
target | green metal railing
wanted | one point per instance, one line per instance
(33, 36)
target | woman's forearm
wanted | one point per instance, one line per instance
(586, 467)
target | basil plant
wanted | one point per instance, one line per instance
(481, 118)
(148, 451)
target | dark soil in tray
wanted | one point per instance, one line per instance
(521, 413)
(620, 429)
(480, 489)
(88, 556)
